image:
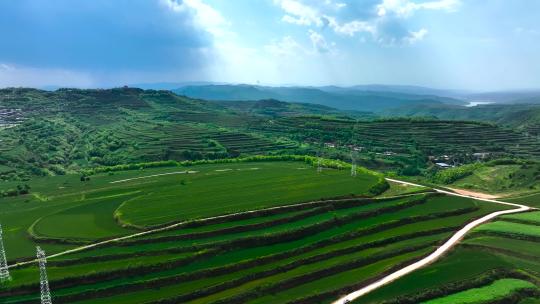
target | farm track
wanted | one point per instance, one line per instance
(447, 246)
(455, 238)
(179, 224)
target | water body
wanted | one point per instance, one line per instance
(478, 103)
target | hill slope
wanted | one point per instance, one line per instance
(51, 133)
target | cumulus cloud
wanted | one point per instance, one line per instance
(414, 37)
(406, 8)
(380, 19)
(353, 27)
(299, 13)
(319, 42)
(203, 14)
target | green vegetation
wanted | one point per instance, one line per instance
(234, 210)
(453, 174)
(498, 263)
(525, 117)
(69, 130)
(272, 255)
(532, 199)
(529, 217)
(87, 210)
(492, 292)
(492, 177)
(501, 227)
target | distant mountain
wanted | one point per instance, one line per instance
(335, 97)
(404, 89)
(169, 85)
(523, 96)
(522, 116)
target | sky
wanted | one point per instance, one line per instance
(459, 44)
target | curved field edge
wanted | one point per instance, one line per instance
(103, 187)
(45, 230)
(267, 189)
(437, 217)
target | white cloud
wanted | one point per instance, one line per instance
(406, 8)
(205, 16)
(321, 14)
(299, 13)
(415, 37)
(286, 46)
(353, 27)
(319, 42)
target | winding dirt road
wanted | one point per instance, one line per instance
(448, 245)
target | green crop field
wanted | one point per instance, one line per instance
(496, 290)
(529, 217)
(501, 227)
(230, 210)
(497, 263)
(532, 200)
(96, 209)
(314, 251)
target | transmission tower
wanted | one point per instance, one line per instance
(4, 271)
(43, 281)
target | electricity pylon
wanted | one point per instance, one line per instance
(4, 271)
(43, 280)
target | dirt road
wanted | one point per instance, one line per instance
(448, 245)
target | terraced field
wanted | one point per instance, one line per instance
(190, 141)
(63, 211)
(498, 263)
(298, 253)
(273, 257)
(400, 135)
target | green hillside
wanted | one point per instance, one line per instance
(329, 233)
(525, 117)
(498, 263)
(53, 133)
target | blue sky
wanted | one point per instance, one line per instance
(461, 44)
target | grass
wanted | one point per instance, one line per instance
(531, 217)
(63, 207)
(501, 179)
(322, 254)
(520, 247)
(249, 187)
(494, 291)
(400, 189)
(532, 200)
(459, 265)
(509, 253)
(510, 228)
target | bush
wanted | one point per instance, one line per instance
(451, 175)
